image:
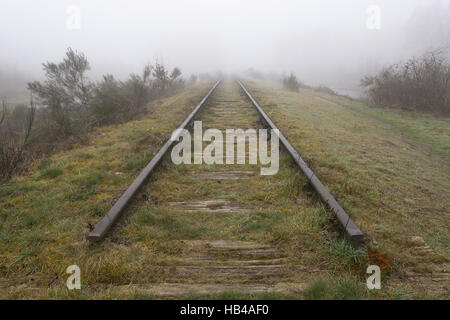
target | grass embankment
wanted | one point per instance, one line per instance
(392, 189)
(425, 131)
(46, 215)
(387, 168)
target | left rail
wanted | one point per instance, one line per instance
(105, 224)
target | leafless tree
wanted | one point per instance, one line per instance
(14, 145)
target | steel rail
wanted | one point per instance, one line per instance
(354, 233)
(114, 213)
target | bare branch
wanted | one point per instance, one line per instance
(2, 118)
(29, 122)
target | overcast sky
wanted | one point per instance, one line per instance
(322, 41)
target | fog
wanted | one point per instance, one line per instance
(324, 42)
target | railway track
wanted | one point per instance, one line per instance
(214, 220)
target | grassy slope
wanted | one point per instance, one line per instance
(425, 131)
(394, 189)
(45, 216)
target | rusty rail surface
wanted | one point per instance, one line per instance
(114, 213)
(354, 233)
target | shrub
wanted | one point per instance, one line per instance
(325, 89)
(108, 103)
(175, 82)
(421, 84)
(193, 79)
(115, 101)
(137, 91)
(161, 78)
(66, 92)
(291, 83)
(14, 144)
(71, 105)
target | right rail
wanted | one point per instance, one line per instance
(354, 233)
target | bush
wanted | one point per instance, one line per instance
(74, 104)
(193, 79)
(175, 82)
(14, 144)
(115, 101)
(66, 92)
(325, 89)
(421, 84)
(71, 105)
(291, 83)
(161, 78)
(108, 103)
(137, 92)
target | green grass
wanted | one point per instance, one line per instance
(428, 131)
(84, 155)
(137, 163)
(343, 255)
(51, 172)
(336, 289)
(143, 296)
(317, 290)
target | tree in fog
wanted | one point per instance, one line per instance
(193, 79)
(291, 82)
(138, 89)
(175, 79)
(66, 92)
(161, 78)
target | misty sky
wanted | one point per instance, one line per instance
(322, 41)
